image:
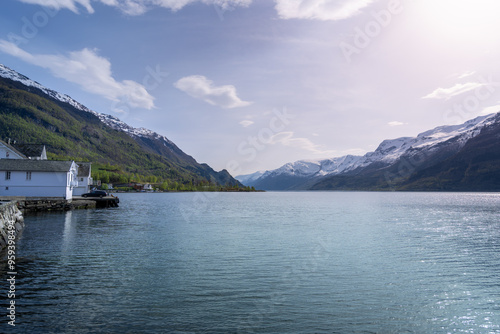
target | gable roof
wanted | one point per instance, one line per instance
(83, 169)
(13, 149)
(30, 150)
(35, 165)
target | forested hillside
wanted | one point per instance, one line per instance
(28, 115)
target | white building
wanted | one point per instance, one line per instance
(22, 151)
(26, 172)
(9, 152)
(38, 178)
(84, 179)
(32, 151)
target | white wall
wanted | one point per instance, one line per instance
(12, 155)
(42, 184)
(83, 186)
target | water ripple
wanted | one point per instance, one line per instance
(265, 263)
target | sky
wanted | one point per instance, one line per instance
(248, 85)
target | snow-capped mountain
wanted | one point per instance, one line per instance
(302, 174)
(109, 120)
(249, 178)
(102, 137)
(8, 73)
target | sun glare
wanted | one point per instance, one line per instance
(459, 18)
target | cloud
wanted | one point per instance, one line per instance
(320, 9)
(72, 5)
(447, 93)
(491, 110)
(396, 123)
(137, 7)
(246, 123)
(88, 70)
(287, 138)
(202, 88)
(466, 74)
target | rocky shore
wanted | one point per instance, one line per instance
(11, 223)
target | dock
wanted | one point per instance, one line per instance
(100, 202)
(32, 204)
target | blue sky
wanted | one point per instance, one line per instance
(249, 85)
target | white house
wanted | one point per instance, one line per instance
(9, 152)
(38, 178)
(84, 179)
(32, 151)
(22, 151)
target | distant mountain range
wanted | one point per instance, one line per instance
(32, 113)
(462, 157)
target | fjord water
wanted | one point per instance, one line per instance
(282, 262)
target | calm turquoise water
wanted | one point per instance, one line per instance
(306, 262)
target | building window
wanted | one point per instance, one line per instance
(6, 154)
(6, 188)
(28, 176)
(7, 175)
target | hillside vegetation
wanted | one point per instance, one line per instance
(28, 115)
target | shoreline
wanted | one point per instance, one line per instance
(11, 224)
(28, 205)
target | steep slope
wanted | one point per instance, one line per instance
(32, 113)
(476, 167)
(249, 178)
(439, 166)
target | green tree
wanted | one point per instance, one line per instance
(123, 179)
(105, 177)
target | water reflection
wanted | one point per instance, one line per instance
(69, 232)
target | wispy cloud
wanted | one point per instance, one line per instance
(287, 138)
(466, 74)
(88, 70)
(246, 123)
(447, 93)
(395, 123)
(203, 89)
(136, 7)
(491, 110)
(72, 5)
(320, 9)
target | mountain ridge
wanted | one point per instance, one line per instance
(31, 110)
(431, 146)
(109, 120)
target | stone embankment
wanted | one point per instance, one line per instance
(12, 210)
(40, 205)
(11, 223)
(30, 204)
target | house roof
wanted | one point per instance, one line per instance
(30, 150)
(10, 147)
(83, 169)
(35, 165)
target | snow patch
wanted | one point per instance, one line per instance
(109, 120)
(386, 153)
